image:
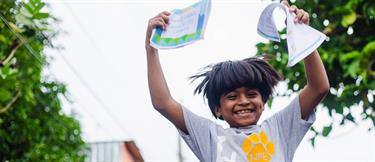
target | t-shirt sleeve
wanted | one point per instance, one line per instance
(200, 137)
(291, 125)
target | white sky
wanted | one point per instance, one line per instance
(105, 44)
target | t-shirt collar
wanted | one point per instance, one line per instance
(246, 129)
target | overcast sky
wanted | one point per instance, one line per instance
(104, 43)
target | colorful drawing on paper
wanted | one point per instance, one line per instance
(185, 26)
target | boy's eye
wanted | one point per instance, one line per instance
(251, 94)
(231, 97)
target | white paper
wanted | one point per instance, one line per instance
(302, 39)
(185, 26)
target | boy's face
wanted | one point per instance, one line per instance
(241, 107)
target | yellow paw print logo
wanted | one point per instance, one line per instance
(258, 148)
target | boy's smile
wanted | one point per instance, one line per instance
(241, 107)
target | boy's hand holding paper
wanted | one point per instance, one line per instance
(302, 39)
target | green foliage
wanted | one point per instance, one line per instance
(326, 130)
(32, 125)
(348, 55)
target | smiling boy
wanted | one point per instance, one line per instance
(236, 92)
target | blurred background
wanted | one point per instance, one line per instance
(73, 79)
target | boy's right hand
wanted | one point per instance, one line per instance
(160, 20)
(301, 15)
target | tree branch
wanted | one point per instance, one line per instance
(14, 99)
(14, 47)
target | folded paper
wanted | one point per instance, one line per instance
(302, 39)
(185, 26)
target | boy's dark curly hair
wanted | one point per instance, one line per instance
(224, 77)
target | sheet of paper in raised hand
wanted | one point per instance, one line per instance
(302, 39)
(185, 26)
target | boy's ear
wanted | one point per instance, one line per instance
(217, 112)
(263, 106)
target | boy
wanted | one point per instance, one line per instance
(237, 92)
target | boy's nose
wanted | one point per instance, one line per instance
(243, 100)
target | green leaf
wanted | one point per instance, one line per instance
(339, 109)
(342, 121)
(341, 10)
(372, 11)
(5, 70)
(269, 102)
(24, 12)
(350, 118)
(313, 129)
(39, 6)
(29, 96)
(352, 4)
(369, 48)
(364, 76)
(3, 39)
(348, 19)
(3, 76)
(5, 95)
(326, 130)
(28, 8)
(349, 56)
(312, 141)
(353, 68)
(41, 15)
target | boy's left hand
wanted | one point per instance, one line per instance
(301, 15)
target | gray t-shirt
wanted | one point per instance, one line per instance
(275, 140)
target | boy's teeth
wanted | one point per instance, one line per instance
(243, 111)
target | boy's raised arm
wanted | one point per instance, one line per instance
(317, 84)
(159, 92)
(317, 80)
